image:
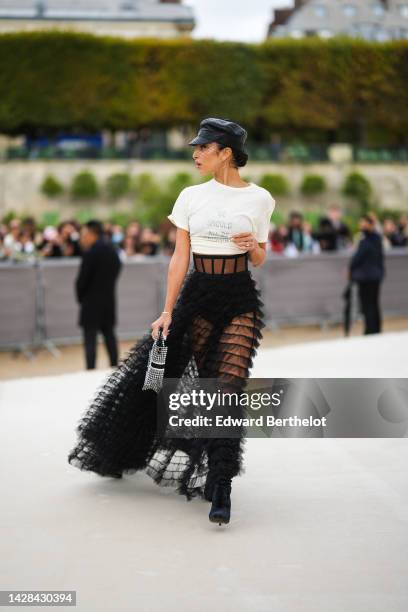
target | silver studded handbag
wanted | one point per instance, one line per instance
(155, 366)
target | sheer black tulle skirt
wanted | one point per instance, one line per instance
(214, 333)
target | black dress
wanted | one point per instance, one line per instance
(214, 333)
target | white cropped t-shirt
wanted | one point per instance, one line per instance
(211, 212)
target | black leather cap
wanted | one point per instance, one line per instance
(225, 132)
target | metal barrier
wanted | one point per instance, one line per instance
(139, 293)
(19, 293)
(38, 305)
(308, 289)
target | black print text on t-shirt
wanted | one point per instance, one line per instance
(219, 231)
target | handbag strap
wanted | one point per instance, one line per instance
(161, 339)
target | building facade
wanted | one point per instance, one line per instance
(125, 18)
(376, 20)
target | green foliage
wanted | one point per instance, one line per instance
(51, 186)
(313, 217)
(9, 216)
(149, 206)
(276, 184)
(118, 185)
(155, 197)
(390, 213)
(50, 217)
(178, 181)
(302, 87)
(352, 222)
(337, 84)
(278, 218)
(313, 184)
(358, 187)
(155, 200)
(121, 218)
(84, 186)
(172, 189)
(205, 178)
(84, 215)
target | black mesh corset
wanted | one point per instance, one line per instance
(220, 264)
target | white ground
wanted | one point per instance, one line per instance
(316, 525)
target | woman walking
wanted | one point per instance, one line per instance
(211, 321)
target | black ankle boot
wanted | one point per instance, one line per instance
(221, 502)
(209, 486)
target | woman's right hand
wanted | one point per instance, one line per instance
(163, 321)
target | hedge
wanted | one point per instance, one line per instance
(337, 89)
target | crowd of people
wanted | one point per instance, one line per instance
(22, 240)
(332, 233)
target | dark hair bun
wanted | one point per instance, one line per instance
(240, 157)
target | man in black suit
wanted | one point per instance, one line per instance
(95, 292)
(367, 270)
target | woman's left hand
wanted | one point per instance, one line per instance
(245, 241)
